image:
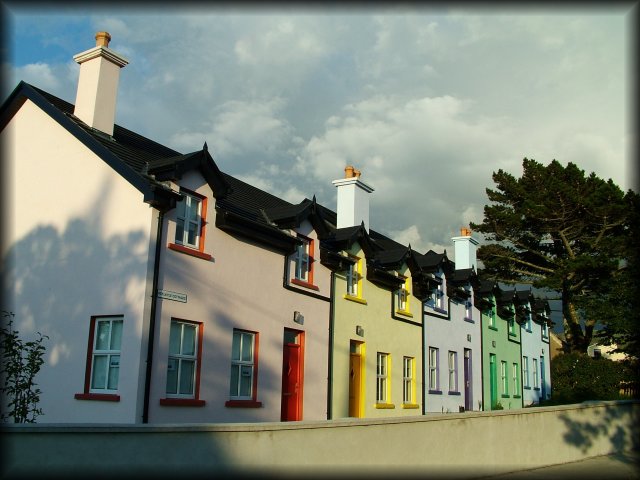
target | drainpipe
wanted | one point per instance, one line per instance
(424, 344)
(152, 320)
(331, 334)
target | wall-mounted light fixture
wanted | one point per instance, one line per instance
(493, 343)
(298, 317)
(359, 331)
(468, 337)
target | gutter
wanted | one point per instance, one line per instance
(152, 320)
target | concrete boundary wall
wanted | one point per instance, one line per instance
(473, 444)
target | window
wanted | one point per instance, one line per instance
(382, 378)
(103, 359)
(354, 280)
(504, 378)
(439, 297)
(516, 380)
(528, 321)
(545, 330)
(468, 312)
(190, 225)
(512, 327)
(244, 370)
(183, 363)
(408, 382)
(303, 263)
(535, 373)
(402, 298)
(453, 371)
(433, 369)
(492, 318)
(525, 372)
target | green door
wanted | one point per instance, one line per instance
(493, 378)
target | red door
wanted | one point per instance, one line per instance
(291, 381)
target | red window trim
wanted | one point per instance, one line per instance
(195, 252)
(253, 403)
(105, 397)
(195, 401)
(86, 395)
(301, 283)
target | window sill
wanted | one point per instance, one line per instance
(470, 320)
(302, 283)
(104, 397)
(536, 388)
(189, 251)
(529, 330)
(243, 404)
(404, 313)
(439, 310)
(512, 334)
(505, 396)
(362, 301)
(410, 405)
(182, 402)
(435, 392)
(385, 405)
(517, 396)
(454, 393)
(493, 328)
(527, 388)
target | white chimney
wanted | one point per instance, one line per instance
(464, 249)
(353, 199)
(98, 84)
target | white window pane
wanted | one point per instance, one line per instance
(174, 338)
(180, 230)
(188, 340)
(187, 376)
(235, 378)
(172, 376)
(114, 369)
(235, 347)
(116, 334)
(99, 371)
(247, 347)
(246, 379)
(103, 335)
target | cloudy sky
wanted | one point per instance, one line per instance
(427, 102)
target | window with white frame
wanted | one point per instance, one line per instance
(242, 365)
(468, 305)
(402, 297)
(105, 354)
(504, 378)
(303, 260)
(453, 371)
(528, 321)
(352, 279)
(439, 297)
(408, 384)
(525, 371)
(535, 372)
(512, 327)
(515, 372)
(183, 358)
(545, 330)
(433, 369)
(382, 378)
(189, 220)
(492, 318)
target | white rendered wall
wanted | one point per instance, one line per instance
(77, 242)
(240, 287)
(352, 202)
(534, 347)
(452, 335)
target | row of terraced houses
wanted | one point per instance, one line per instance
(173, 292)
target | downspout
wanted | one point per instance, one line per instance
(331, 334)
(152, 320)
(482, 362)
(424, 345)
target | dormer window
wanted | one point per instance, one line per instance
(303, 263)
(189, 221)
(468, 307)
(354, 280)
(402, 298)
(545, 330)
(528, 321)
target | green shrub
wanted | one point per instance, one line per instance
(578, 377)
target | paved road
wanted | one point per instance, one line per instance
(606, 467)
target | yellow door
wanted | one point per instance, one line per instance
(355, 381)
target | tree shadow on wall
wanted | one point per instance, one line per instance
(614, 423)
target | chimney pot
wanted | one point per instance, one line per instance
(102, 39)
(349, 171)
(465, 232)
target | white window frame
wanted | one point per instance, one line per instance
(515, 370)
(535, 373)
(407, 380)
(492, 318)
(352, 278)
(525, 371)
(453, 371)
(439, 297)
(529, 321)
(302, 260)
(182, 357)
(434, 383)
(245, 367)
(469, 308)
(111, 369)
(504, 378)
(382, 378)
(185, 203)
(545, 330)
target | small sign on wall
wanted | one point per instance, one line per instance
(175, 296)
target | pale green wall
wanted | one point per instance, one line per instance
(382, 333)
